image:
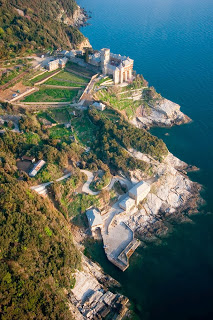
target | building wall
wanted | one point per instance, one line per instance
(141, 195)
(120, 74)
(127, 206)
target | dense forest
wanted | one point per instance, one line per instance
(113, 139)
(26, 25)
(37, 255)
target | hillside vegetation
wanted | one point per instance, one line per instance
(37, 256)
(26, 25)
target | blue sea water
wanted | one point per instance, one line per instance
(171, 42)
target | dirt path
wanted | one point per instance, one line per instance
(41, 188)
(87, 96)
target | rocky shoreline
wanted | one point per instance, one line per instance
(91, 297)
(80, 17)
(159, 113)
(173, 198)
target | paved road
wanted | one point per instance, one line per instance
(122, 180)
(85, 187)
(41, 188)
(87, 96)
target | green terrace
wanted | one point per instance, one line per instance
(59, 132)
(41, 77)
(65, 78)
(52, 95)
(84, 130)
(118, 100)
(81, 70)
(81, 126)
(60, 115)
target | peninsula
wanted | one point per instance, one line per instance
(78, 163)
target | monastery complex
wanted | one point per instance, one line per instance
(120, 67)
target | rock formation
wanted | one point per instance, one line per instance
(162, 113)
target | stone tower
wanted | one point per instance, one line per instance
(105, 59)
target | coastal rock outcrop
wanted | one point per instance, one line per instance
(78, 18)
(173, 197)
(161, 112)
(91, 298)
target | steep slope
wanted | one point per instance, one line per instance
(36, 24)
(37, 255)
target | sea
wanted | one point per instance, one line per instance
(171, 42)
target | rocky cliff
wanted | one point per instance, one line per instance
(161, 112)
(173, 197)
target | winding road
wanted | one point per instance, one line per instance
(85, 187)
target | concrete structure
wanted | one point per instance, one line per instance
(37, 167)
(62, 63)
(79, 52)
(55, 64)
(52, 65)
(63, 53)
(120, 67)
(99, 106)
(139, 191)
(94, 219)
(127, 204)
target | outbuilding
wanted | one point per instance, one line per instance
(37, 167)
(127, 204)
(94, 219)
(99, 106)
(139, 191)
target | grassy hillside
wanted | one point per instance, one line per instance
(26, 25)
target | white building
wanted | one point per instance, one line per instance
(37, 167)
(52, 65)
(139, 191)
(55, 64)
(127, 204)
(99, 106)
(94, 219)
(120, 67)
